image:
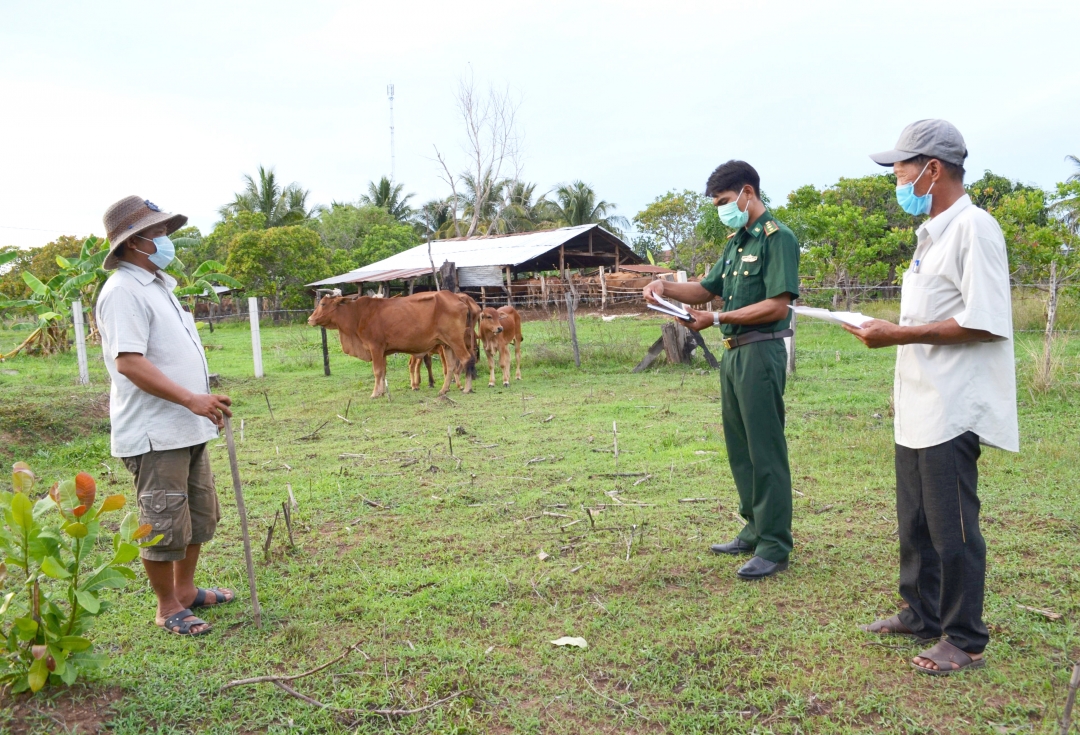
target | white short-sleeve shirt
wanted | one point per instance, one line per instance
(960, 271)
(137, 312)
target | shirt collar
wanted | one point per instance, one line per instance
(145, 277)
(934, 228)
(753, 229)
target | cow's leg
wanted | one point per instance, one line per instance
(517, 354)
(430, 377)
(378, 366)
(504, 363)
(491, 364)
(461, 357)
(414, 372)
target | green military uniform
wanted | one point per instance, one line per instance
(761, 261)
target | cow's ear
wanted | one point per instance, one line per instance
(502, 316)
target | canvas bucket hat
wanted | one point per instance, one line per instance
(130, 216)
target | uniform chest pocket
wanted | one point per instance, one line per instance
(921, 298)
(748, 278)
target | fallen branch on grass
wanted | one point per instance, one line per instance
(372, 503)
(279, 680)
(293, 677)
(1049, 615)
(699, 500)
(314, 433)
(643, 479)
(619, 474)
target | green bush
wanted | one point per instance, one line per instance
(52, 575)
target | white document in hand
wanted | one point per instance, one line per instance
(666, 307)
(850, 318)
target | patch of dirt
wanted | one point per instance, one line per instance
(32, 418)
(79, 709)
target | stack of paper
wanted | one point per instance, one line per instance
(850, 318)
(666, 307)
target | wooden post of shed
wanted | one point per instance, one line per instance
(562, 260)
(483, 297)
(509, 292)
(590, 242)
(543, 289)
(616, 257)
(412, 285)
(603, 290)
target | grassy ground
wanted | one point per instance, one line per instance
(443, 589)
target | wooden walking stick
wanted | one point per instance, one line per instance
(243, 521)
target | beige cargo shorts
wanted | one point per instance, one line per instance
(176, 495)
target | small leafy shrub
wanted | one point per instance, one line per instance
(52, 573)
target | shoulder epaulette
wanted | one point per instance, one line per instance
(771, 227)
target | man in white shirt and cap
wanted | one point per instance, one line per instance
(954, 390)
(161, 409)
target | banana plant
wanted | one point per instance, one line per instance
(199, 283)
(50, 301)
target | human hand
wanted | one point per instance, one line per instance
(702, 320)
(210, 406)
(651, 289)
(877, 333)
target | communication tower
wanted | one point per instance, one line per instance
(390, 95)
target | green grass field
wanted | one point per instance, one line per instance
(443, 590)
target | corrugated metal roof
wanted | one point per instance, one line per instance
(399, 274)
(645, 269)
(498, 250)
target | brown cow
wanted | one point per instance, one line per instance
(470, 343)
(372, 328)
(498, 329)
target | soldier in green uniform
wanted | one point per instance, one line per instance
(756, 279)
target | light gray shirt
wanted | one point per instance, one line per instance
(960, 271)
(137, 312)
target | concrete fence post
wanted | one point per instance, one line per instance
(256, 339)
(80, 342)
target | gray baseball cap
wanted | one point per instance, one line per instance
(935, 138)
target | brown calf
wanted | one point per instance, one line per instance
(498, 328)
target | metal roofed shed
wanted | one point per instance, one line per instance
(484, 261)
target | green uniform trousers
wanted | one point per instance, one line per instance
(752, 379)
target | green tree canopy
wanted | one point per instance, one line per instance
(278, 262)
(576, 203)
(40, 261)
(678, 222)
(387, 195)
(280, 206)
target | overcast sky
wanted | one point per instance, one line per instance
(175, 101)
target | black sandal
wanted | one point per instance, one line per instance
(183, 627)
(946, 654)
(219, 597)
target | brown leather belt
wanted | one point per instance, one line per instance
(738, 340)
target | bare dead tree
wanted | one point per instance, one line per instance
(492, 146)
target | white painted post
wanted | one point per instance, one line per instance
(80, 342)
(256, 340)
(790, 344)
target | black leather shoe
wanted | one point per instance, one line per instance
(758, 568)
(738, 546)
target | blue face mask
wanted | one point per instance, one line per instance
(732, 216)
(905, 197)
(165, 254)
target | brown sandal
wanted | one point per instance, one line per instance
(946, 654)
(890, 626)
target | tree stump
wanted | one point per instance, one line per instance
(678, 343)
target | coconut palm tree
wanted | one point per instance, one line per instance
(485, 197)
(434, 220)
(521, 214)
(280, 206)
(387, 195)
(576, 204)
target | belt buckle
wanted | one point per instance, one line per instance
(729, 343)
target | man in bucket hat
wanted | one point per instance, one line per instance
(954, 390)
(161, 408)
